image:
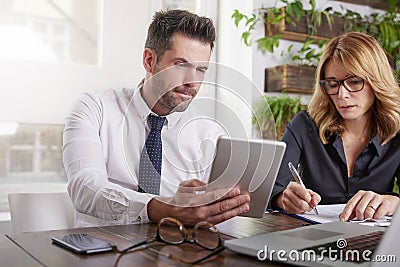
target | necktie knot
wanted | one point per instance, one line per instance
(156, 123)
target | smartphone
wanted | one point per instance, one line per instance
(83, 243)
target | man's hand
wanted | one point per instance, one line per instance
(191, 204)
(297, 199)
(368, 204)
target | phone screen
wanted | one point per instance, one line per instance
(83, 243)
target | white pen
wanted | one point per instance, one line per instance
(297, 178)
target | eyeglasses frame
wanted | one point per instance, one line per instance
(341, 82)
(183, 231)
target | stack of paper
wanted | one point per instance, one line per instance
(326, 213)
(330, 213)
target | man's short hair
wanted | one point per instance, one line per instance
(168, 22)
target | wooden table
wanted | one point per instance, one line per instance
(36, 248)
(11, 255)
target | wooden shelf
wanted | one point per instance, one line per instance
(300, 32)
(290, 78)
(379, 4)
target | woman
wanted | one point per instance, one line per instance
(348, 142)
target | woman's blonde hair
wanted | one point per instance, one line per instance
(360, 55)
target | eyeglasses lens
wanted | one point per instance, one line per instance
(207, 235)
(171, 231)
(354, 84)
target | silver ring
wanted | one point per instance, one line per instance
(372, 207)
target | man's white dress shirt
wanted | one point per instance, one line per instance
(103, 139)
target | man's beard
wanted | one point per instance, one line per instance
(175, 105)
(169, 99)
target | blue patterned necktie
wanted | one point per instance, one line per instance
(151, 158)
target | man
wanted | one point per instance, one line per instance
(120, 170)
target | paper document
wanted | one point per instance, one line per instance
(384, 222)
(330, 213)
(326, 213)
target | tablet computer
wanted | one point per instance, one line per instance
(251, 164)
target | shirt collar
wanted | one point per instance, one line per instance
(376, 143)
(144, 110)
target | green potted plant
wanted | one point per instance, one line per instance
(273, 113)
(298, 76)
(291, 22)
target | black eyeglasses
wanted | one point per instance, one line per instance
(173, 232)
(351, 84)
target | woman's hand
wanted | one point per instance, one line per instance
(368, 204)
(297, 199)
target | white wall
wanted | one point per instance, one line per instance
(234, 72)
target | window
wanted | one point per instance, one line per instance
(64, 31)
(30, 154)
(46, 47)
(33, 153)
